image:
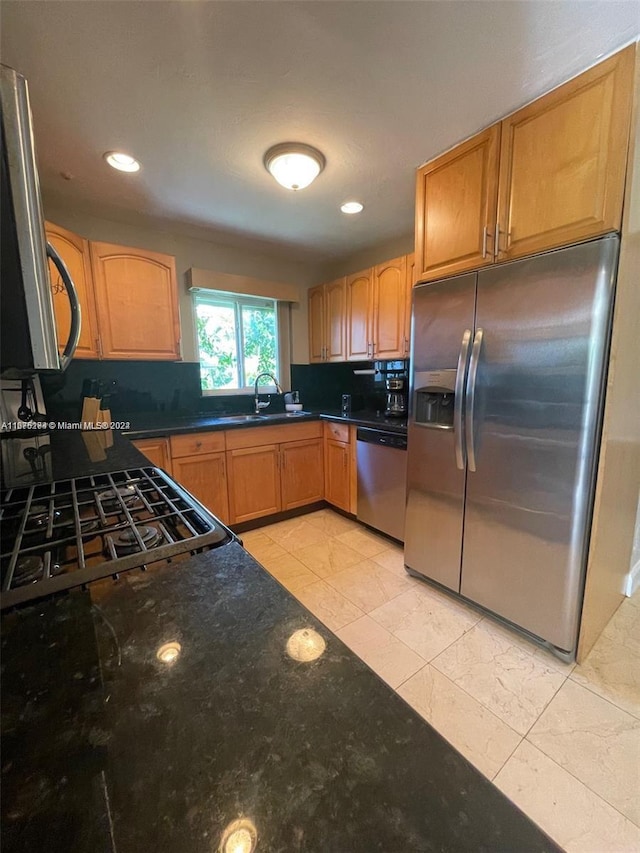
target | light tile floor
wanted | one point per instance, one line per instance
(562, 741)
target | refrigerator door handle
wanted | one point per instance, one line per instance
(458, 395)
(471, 399)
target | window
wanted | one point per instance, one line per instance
(237, 340)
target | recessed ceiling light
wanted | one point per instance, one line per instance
(351, 207)
(121, 161)
(293, 164)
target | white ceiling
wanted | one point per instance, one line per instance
(199, 90)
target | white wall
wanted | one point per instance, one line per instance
(191, 252)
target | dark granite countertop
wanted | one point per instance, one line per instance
(107, 748)
(64, 453)
(155, 426)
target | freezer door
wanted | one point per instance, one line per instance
(442, 313)
(537, 368)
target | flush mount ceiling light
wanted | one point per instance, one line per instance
(351, 207)
(121, 161)
(293, 164)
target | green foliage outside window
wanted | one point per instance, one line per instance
(237, 340)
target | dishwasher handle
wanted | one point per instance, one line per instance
(397, 441)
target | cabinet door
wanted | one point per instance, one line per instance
(302, 472)
(389, 309)
(137, 300)
(316, 324)
(359, 305)
(157, 451)
(205, 476)
(74, 251)
(563, 160)
(335, 316)
(456, 196)
(411, 266)
(336, 473)
(254, 482)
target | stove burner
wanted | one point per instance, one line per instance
(128, 495)
(89, 525)
(126, 542)
(28, 570)
(39, 515)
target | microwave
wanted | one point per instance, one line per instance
(28, 338)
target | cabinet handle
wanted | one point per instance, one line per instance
(324, 353)
(345, 460)
(99, 346)
(406, 345)
(284, 459)
(198, 444)
(484, 241)
(496, 240)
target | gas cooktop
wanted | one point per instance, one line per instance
(59, 535)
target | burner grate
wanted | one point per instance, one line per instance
(70, 532)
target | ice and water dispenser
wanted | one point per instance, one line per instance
(434, 397)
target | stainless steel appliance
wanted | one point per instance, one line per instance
(396, 405)
(28, 340)
(382, 480)
(59, 535)
(508, 367)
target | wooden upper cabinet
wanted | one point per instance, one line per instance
(563, 161)
(316, 323)
(359, 325)
(137, 301)
(327, 321)
(74, 251)
(390, 309)
(411, 265)
(335, 315)
(456, 198)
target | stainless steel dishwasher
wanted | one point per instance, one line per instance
(382, 480)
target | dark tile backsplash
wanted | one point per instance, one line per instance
(321, 386)
(134, 386)
(174, 388)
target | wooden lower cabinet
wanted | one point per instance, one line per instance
(337, 473)
(157, 452)
(302, 472)
(254, 482)
(205, 476)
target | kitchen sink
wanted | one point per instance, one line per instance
(273, 416)
(241, 419)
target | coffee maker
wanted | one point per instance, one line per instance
(396, 406)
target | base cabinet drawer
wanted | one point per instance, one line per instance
(205, 476)
(197, 442)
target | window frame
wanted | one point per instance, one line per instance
(237, 301)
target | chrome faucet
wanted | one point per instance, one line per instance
(261, 405)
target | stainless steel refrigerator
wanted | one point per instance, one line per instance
(508, 367)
